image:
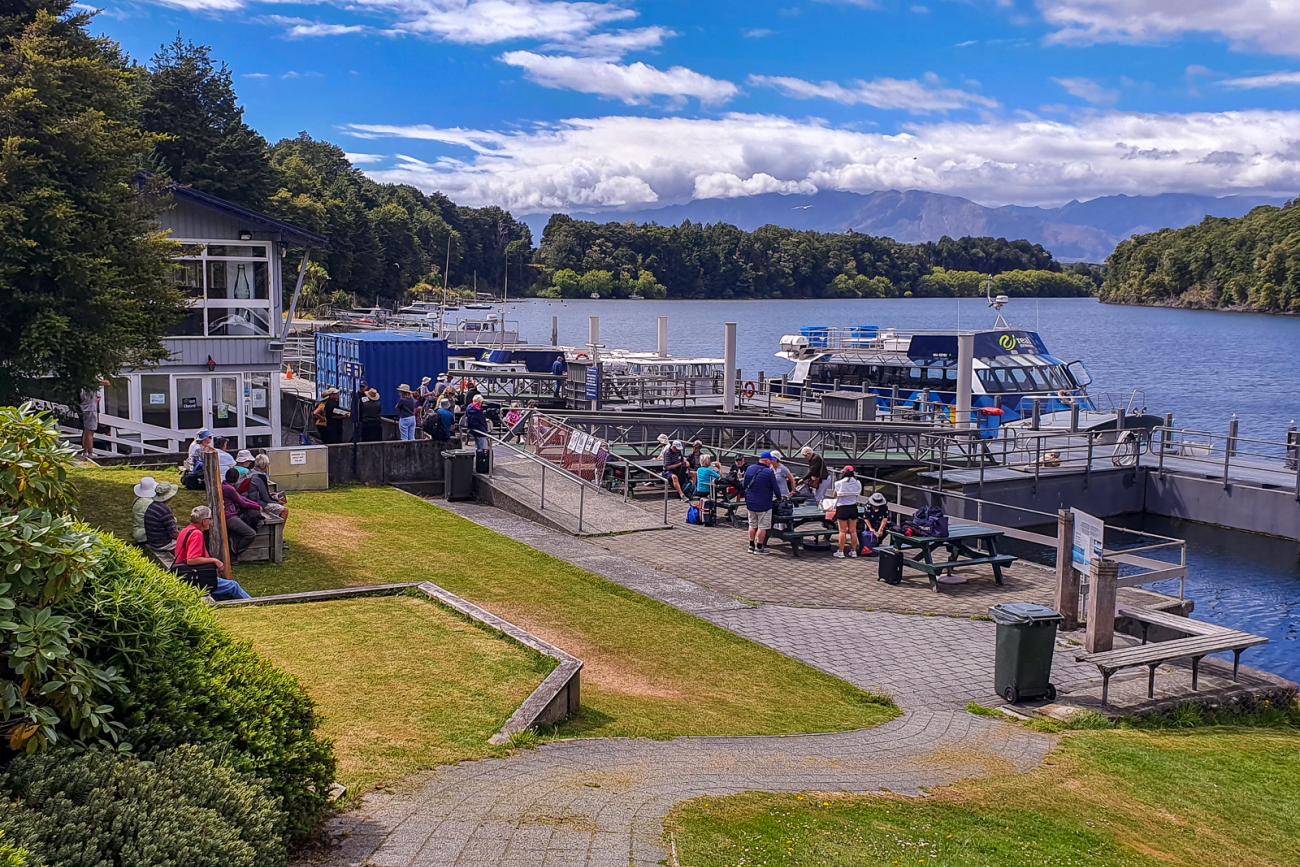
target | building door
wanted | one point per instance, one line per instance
(190, 413)
(226, 406)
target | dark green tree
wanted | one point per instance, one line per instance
(84, 275)
(204, 142)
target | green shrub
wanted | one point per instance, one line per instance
(105, 809)
(49, 690)
(10, 855)
(187, 680)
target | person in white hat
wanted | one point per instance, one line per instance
(406, 408)
(785, 483)
(151, 525)
(329, 424)
(244, 466)
(875, 523)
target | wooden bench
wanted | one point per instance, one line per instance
(268, 544)
(731, 507)
(1185, 626)
(1194, 647)
(163, 558)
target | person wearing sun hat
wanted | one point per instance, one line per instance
(406, 407)
(153, 523)
(875, 522)
(372, 425)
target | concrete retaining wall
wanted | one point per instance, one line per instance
(1256, 510)
(387, 463)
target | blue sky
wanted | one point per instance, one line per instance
(539, 105)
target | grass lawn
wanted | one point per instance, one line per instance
(403, 683)
(1210, 796)
(651, 670)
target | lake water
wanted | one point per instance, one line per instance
(1200, 365)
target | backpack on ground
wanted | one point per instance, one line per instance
(708, 513)
(693, 515)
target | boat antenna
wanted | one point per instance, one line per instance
(505, 294)
(997, 302)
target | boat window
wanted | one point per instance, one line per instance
(989, 381)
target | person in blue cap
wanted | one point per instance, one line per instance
(760, 494)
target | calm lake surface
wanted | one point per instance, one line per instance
(1201, 366)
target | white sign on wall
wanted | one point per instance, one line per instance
(1086, 547)
(157, 398)
(297, 458)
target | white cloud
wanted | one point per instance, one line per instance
(1271, 26)
(725, 185)
(633, 83)
(484, 22)
(203, 5)
(632, 161)
(302, 28)
(1260, 82)
(757, 33)
(613, 44)
(888, 93)
(255, 76)
(359, 159)
(1088, 90)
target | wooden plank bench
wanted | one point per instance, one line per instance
(730, 507)
(1185, 626)
(1194, 647)
(268, 544)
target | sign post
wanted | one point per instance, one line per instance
(593, 385)
(1067, 578)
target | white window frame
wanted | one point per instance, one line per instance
(208, 305)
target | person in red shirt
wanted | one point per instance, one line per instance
(193, 563)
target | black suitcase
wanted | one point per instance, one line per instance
(483, 461)
(891, 565)
(708, 513)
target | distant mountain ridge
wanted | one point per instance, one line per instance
(1076, 231)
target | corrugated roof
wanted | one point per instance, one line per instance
(289, 233)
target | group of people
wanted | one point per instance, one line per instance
(436, 409)
(862, 524)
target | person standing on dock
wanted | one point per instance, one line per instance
(372, 425)
(760, 495)
(476, 421)
(818, 479)
(405, 413)
(329, 424)
(557, 370)
(847, 491)
(785, 483)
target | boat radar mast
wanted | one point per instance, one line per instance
(997, 302)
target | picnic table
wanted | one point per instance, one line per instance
(805, 526)
(966, 545)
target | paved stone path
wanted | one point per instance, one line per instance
(603, 802)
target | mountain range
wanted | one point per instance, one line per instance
(1077, 231)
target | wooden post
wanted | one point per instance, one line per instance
(217, 536)
(1100, 636)
(1067, 579)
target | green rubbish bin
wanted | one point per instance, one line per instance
(458, 473)
(1025, 643)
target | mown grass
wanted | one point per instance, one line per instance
(650, 670)
(1219, 795)
(403, 684)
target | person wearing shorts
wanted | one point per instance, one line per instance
(847, 491)
(760, 494)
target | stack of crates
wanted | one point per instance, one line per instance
(381, 360)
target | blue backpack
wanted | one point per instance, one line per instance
(930, 521)
(693, 515)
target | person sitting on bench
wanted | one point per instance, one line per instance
(194, 565)
(155, 523)
(259, 489)
(243, 516)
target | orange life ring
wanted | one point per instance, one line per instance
(581, 356)
(750, 389)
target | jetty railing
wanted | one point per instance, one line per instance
(1232, 458)
(1145, 558)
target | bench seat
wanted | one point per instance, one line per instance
(796, 537)
(1148, 617)
(1194, 647)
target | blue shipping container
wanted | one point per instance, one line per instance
(381, 360)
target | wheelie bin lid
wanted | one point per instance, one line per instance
(1010, 613)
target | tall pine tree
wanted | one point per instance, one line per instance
(190, 101)
(84, 275)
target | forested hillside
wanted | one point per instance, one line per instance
(579, 258)
(1248, 263)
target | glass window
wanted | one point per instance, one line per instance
(188, 277)
(238, 321)
(189, 403)
(238, 281)
(156, 400)
(237, 250)
(225, 401)
(259, 399)
(190, 325)
(117, 399)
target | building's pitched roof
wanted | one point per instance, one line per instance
(289, 233)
